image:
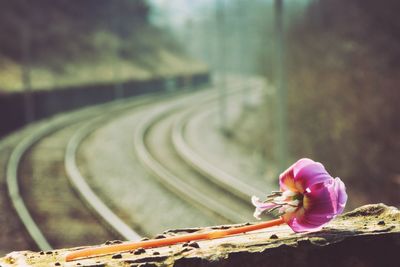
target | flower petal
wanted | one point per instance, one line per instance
(321, 199)
(286, 179)
(340, 190)
(286, 182)
(298, 222)
(261, 206)
(309, 175)
(300, 164)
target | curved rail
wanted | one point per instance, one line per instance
(29, 141)
(85, 192)
(170, 180)
(12, 176)
(14, 192)
(215, 174)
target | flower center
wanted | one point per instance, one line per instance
(286, 201)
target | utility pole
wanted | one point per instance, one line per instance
(220, 47)
(189, 27)
(281, 87)
(244, 43)
(29, 109)
(117, 25)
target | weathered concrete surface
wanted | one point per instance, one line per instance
(367, 236)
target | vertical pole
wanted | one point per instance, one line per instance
(116, 21)
(241, 31)
(244, 42)
(29, 110)
(221, 63)
(191, 49)
(281, 86)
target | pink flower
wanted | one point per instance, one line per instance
(309, 196)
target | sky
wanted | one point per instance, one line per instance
(177, 12)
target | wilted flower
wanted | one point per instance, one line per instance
(309, 196)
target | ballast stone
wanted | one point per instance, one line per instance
(366, 236)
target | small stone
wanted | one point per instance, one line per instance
(187, 249)
(185, 244)
(116, 256)
(274, 236)
(156, 253)
(117, 242)
(57, 264)
(194, 245)
(160, 237)
(139, 251)
(49, 252)
(145, 239)
(108, 242)
(41, 252)
(381, 223)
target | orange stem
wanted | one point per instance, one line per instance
(91, 252)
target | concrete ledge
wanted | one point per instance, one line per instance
(367, 236)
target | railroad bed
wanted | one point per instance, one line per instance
(112, 142)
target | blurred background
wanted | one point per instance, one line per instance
(334, 66)
(337, 63)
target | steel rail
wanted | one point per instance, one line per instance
(213, 173)
(78, 181)
(12, 177)
(14, 192)
(85, 192)
(170, 180)
(28, 142)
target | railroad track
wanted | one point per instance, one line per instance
(224, 202)
(172, 163)
(214, 174)
(67, 134)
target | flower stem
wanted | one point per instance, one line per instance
(92, 252)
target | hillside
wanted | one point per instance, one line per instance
(52, 43)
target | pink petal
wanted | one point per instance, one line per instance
(309, 175)
(298, 224)
(300, 164)
(286, 182)
(315, 219)
(286, 179)
(340, 190)
(321, 199)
